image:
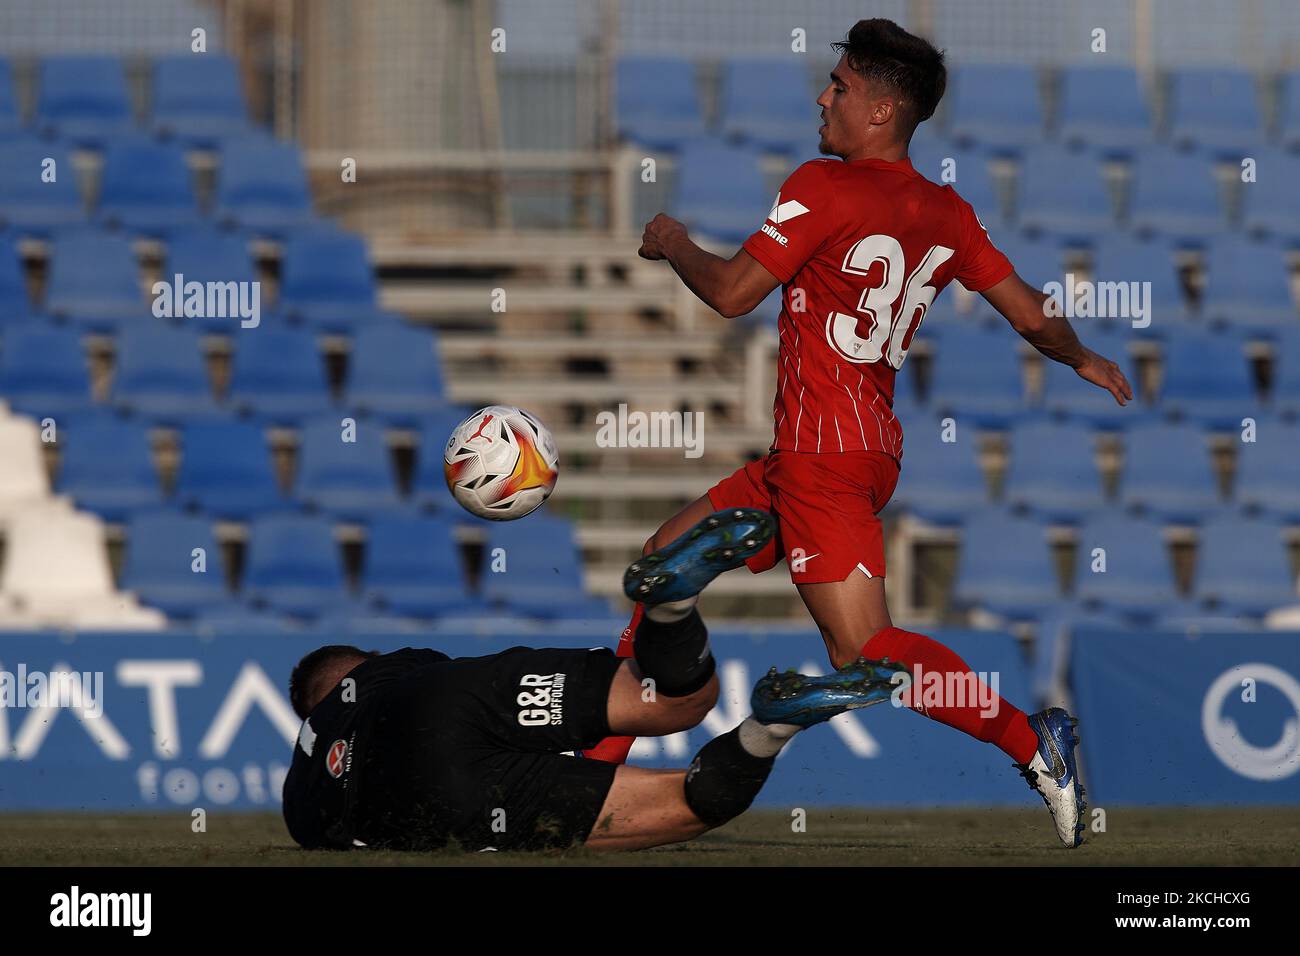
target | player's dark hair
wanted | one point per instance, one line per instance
(312, 679)
(882, 51)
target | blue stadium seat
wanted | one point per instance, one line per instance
(94, 279)
(430, 485)
(326, 278)
(1063, 193)
(1005, 565)
(198, 99)
(1268, 469)
(394, 371)
(262, 186)
(28, 203)
(658, 104)
(1270, 206)
(107, 465)
(1104, 109)
(43, 370)
(160, 563)
(996, 106)
(1174, 194)
(1286, 372)
(940, 481)
(966, 171)
(1037, 261)
(769, 103)
(1242, 565)
(278, 374)
(1065, 393)
(347, 478)
(543, 576)
(1207, 380)
(1123, 259)
(295, 566)
(239, 620)
(10, 120)
(84, 99)
(1247, 285)
(977, 375)
(1138, 578)
(211, 255)
(413, 566)
(1053, 470)
(14, 303)
(226, 470)
(146, 187)
(1289, 111)
(1215, 109)
(160, 373)
(1053, 637)
(720, 190)
(1167, 471)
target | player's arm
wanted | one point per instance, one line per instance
(1024, 307)
(731, 287)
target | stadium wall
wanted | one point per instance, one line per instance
(188, 721)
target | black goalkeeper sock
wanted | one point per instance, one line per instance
(674, 654)
(724, 779)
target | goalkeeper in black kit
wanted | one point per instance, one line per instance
(415, 750)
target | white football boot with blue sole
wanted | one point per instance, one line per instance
(1054, 772)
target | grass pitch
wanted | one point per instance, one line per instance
(846, 837)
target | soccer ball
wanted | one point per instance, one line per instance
(501, 463)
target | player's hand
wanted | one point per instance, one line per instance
(1104, 373)
(659, 233)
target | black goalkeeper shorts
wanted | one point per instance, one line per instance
(474, 753)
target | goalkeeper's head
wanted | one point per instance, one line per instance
(320, 672)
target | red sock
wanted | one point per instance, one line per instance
(615, 749)
(1008, 728)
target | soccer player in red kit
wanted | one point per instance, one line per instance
(862, 244)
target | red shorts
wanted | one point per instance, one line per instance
(825, 508)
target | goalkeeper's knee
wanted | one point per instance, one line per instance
(724, 778)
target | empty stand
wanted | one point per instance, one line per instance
(107, 465)
(658, 102)
(1021, 582)
(720, 190)
(197, 98)
(1167, 471)
(1053, 470)
(146, 187)
(162, 566)
(84, 99)
(226, 471)
(1103, 109)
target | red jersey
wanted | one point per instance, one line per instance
(862, 249)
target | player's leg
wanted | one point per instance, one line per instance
(615, 749)
(743, 489)
(1042, 745)
(852, 614)
(646, 808)
(671, 684)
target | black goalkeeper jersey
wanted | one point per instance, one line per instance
(326, 776)
(426, 750)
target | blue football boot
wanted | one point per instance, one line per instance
(804, 700)
(682, 569)
(1054, 772)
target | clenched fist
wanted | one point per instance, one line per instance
(659, 233)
